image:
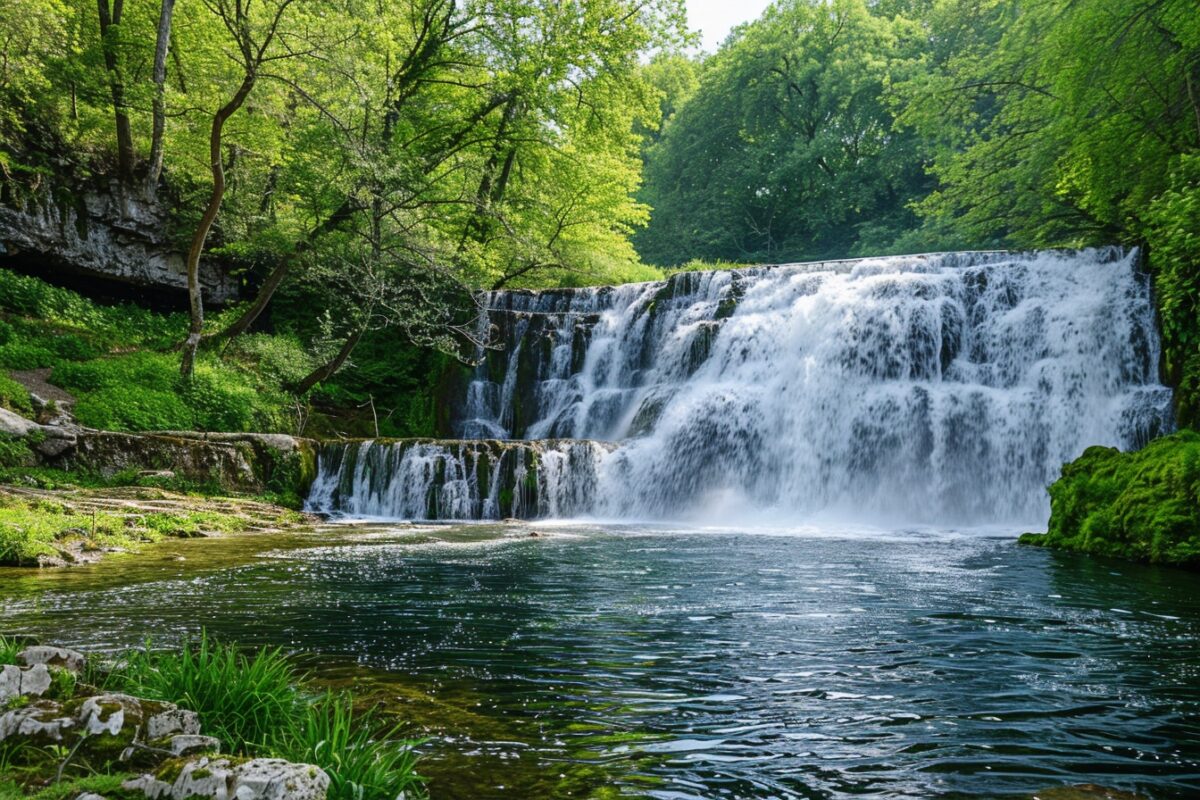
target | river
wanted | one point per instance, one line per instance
(652, 661)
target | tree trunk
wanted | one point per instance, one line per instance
(161, 46)
(265, 292)
(109, 18)
(326, 371)
(195, 300)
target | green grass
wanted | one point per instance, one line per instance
(9, 647)
(33, 528)
(255, 704)
(118, 362)
(1142, 506)
(29, 529)
(241, 699)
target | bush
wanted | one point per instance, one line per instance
(123, 325)
(13, 452)
(1143, 506)
(14, 396)
(134, 408)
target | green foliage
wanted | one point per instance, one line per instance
(9, 647)
(363, 757)
(87, 327)
(13, 452)
(786, 151)
(242, 699)
(14, 396)
(1173, 232)
(253, 703)
(1143, 506)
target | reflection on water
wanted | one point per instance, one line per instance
(592, 661)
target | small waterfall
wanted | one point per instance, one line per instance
(462, 480)
(944, 388)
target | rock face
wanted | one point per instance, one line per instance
(246, 462)
(100, 231)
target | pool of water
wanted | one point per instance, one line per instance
(612, 661)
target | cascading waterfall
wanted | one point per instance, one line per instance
(943, 388)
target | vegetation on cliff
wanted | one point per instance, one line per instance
(1143, 506)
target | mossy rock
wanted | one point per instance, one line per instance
(1140, 506)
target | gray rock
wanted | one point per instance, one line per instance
(104, 231)
(61, 657)
(14, 424)
(190, 744)
(172, 721)
(90, 796)
(224, 779)
(29, 682)
(41, 723)
(55, 440)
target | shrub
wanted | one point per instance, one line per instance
(25, 355)
(155, 370)
(14, 396)
(13, 452)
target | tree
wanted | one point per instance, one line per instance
(787, 149)
(252, 30)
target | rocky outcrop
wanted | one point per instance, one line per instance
(233, 779)
(99, 231)
(239, 462)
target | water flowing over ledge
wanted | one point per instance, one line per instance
(946, 388)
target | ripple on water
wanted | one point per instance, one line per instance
(705, 665)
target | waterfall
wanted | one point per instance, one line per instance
(944, 388)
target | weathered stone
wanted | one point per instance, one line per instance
(90, 796)
(41, 723)
(227, 779)
(29, 682)
(172, 721)
(190, 744)
(61, 657)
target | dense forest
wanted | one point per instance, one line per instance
(372, 167)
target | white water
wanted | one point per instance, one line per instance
(940, 389)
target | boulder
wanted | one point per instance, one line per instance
(60, 657)
(41, 723)
(32, 681)
(230, 779)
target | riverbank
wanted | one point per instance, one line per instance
(61, 527)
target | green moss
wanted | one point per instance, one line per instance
(1142, 506)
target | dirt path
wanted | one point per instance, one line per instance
(37, 382)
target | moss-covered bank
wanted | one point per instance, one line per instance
(1143, 506)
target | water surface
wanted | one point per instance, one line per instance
(600, 661)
